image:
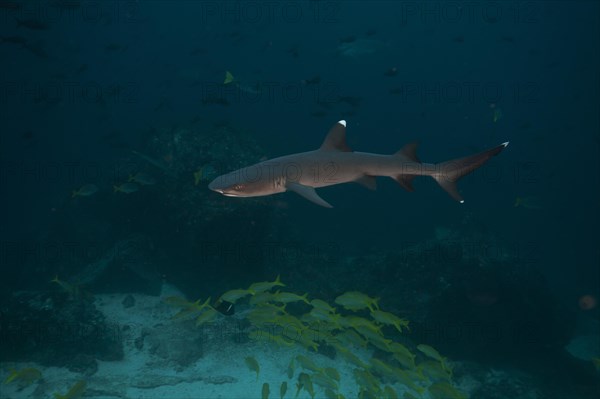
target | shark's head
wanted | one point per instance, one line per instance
(253, 181)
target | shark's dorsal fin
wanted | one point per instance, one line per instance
(336, 138)
(309, 193)
(410, 151)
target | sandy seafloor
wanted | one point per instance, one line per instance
(220, 373)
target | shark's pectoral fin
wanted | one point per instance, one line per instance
(309, 193)
(368, 181)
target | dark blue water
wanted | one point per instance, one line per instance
(86, 83)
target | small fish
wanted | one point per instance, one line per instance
(496, 114)
(233, 295)
(287, 297)
(324, 381)
(265, 285)
(354, 300)
(389, 393)
(214, 100)
(529, 202)
(282, 390)
(252, 365)
(126, 188)
(393, 71)
(306, 383)
(13, 39)
(332, 373)
(75, 392)
(197, 176)
(359, 47)
(291, 369)
(319, 304)
(33, 24)
(307, 363)
(85, 191)
(63, 284)
(205, 173)
(206, 316)
(142, 178)
(445, 390)
(9, 5)
(36, 48)
(312, 81)
(228, 78)
(27, 376)
(389, 319)
(265, 391)
(114, 47)
(430, 352)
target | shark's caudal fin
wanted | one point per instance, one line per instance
(449, 172)
(445, 173)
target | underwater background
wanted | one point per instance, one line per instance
(118, 263)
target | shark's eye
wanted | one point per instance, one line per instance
(238, 187)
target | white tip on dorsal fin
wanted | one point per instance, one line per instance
(505, 144)
(336, 138)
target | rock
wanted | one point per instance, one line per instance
(53, 329)
(219, 379)
(177, 343)
(128, 302)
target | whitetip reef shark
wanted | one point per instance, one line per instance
(335, 163)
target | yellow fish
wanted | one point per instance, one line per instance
(142, 178)
(85, 191)
(287, 297)
(444, 390)
(265, 391)
(529, 202)
(228, 78)
(75, 392)
(252, 365)
(265, 285)
(354, 300)
(282, 390)
(198, 176)
(233, 295)
(27, 375)
(389, 319)
(126, 188)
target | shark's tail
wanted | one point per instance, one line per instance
(447, 173)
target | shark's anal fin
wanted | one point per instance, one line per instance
(309, 193)
(368, 181)
(405, 181)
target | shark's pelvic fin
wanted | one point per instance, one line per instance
(408, 152)
(336, 138)
(369, 182)
(309, 193)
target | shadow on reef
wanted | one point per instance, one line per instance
(57, 329)
(154, 219)
(465, 293)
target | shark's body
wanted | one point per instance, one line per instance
(335, 163)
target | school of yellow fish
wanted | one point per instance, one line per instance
(358, 323)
